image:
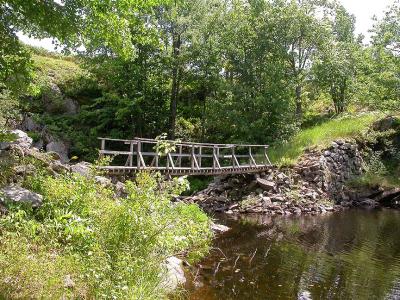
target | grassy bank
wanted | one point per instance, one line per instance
(321, 136)
(83, 243)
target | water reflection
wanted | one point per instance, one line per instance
(347, 255)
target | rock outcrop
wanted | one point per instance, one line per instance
(18, 194)
(21, 139)
(316, 184)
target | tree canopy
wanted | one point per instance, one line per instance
(221, 70)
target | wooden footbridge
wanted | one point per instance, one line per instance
(182, 158)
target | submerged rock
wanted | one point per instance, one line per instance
(219, 228)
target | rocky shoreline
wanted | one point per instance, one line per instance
(317, 184)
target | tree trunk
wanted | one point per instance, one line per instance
(299, 109)
(176, 44)
(343, 95)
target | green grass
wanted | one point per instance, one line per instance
(391, 180)
(321, 136)
(110, 248)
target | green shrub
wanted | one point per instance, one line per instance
(109, 248)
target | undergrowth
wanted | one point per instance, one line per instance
(82, 243)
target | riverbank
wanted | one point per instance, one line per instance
(66, 231)
(322, 179)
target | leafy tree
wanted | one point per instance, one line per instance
(378, 77)
(335, 65)
(386, 32)
(301, 33)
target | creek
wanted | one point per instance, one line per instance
(345, 255)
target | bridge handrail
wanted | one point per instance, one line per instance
(191, 152)
(153, 141)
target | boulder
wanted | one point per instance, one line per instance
(29, 124)
(53, 99)
(60, 148)
(387, 123)
(120, 190)
(58, 167)
(71, 107)
(103, 181)
(18, 194)
(83, 168)
(218, 228)
(174, 276)
(265, 184)
(21, 139)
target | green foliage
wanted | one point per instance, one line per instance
(109, 248)
(203, 70)
(198, 183)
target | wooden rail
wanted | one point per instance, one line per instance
(183, 158)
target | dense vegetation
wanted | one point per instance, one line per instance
(209, 70)
(253, 71)
(84, 242)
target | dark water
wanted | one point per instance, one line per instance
(347, 255)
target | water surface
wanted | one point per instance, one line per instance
(346, 255)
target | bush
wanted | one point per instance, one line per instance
(83, 243)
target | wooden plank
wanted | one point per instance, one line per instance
(112, 152)
(171, 160)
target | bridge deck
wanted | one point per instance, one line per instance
(183, 158)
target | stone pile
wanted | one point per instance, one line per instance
(316, 184)
(20, 158)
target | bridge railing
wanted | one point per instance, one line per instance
(189, 157)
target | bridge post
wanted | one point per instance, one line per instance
(180, 157)
(214, 154)
(250, 162)
(200, 154)
(139, 150)
(131, 148)
(268, 162)
(233, 156)
(192, 158)
(102, 147)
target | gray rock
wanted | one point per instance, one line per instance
(21, 139)
(71, 107)
(219, 228)
(28, 124)
(60, 148)
(58, 167)
(18, 194)
(53, 99)
(174, 276)
(277, 198)
(120, 190)
(82, 168)
(221, 199)
(266, 201)
(103, 181)
(385, 124)
(265, 184)
(68, 282)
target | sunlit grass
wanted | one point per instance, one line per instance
(321, 136)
